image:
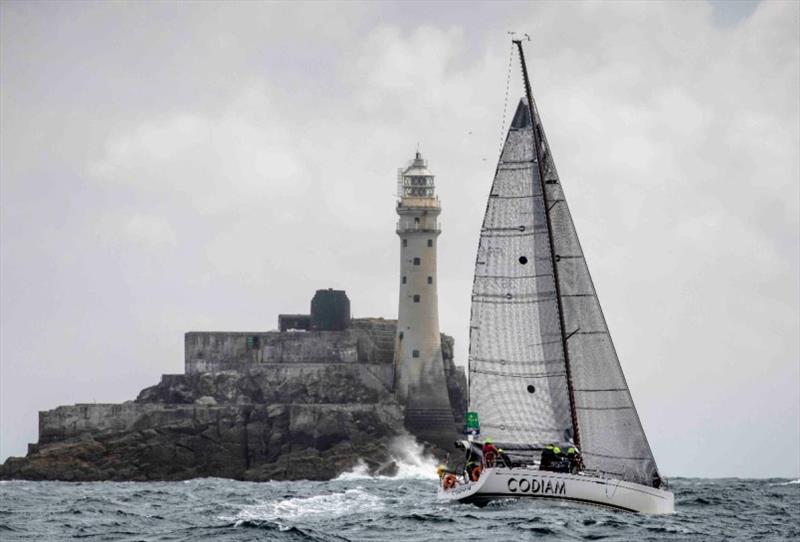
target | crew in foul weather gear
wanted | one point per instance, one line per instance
(503, 459)
(550, 457)
(575, 460)
(490, 452)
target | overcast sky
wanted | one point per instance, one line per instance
(205, 166)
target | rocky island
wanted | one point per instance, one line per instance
(320, 395)
(309, 401)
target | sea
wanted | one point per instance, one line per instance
(356, 506)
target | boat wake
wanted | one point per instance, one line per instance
(408, 456)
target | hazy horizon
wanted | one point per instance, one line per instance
(174, 167)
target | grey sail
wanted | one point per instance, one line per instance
(611, 435)
(518, 381)
(526, 391)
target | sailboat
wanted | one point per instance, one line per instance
(543, 371)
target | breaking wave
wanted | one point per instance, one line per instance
(359, 472)
(409, 457)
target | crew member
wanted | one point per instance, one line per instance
(472, 471)
(550, 457)
(575, 460)
(490, 452)
(472, 463)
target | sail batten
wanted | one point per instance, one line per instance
(543, 367)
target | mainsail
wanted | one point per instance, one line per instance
(542, 365)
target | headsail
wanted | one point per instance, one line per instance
(532, 298)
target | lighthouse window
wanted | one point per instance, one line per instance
(405, 242)
(415, 354)
(430, 242)
(404, 279)
(416, 220)
(416, 261)
(531, 388)
(416, 298)
(523, 260)
(430, 280)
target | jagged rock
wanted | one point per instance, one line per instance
(246, 442)
(456, 379)
(312, 383)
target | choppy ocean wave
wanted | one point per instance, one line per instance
(360, 507)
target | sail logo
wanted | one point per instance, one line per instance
(535, 485)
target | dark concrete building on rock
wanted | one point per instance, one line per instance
(368, 351)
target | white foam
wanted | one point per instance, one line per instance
(411, 459)
(409, 456)
(359, 472)
(317, 507)
(789, 483)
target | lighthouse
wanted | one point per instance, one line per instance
(419, 369)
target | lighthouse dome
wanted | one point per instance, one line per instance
(418, 167)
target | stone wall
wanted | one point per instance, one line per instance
(366, 341)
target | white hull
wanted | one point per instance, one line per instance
(501, 482)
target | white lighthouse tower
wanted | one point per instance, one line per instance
(420, 380)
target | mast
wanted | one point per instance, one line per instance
(537, 142)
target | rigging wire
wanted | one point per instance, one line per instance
(505, 100)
